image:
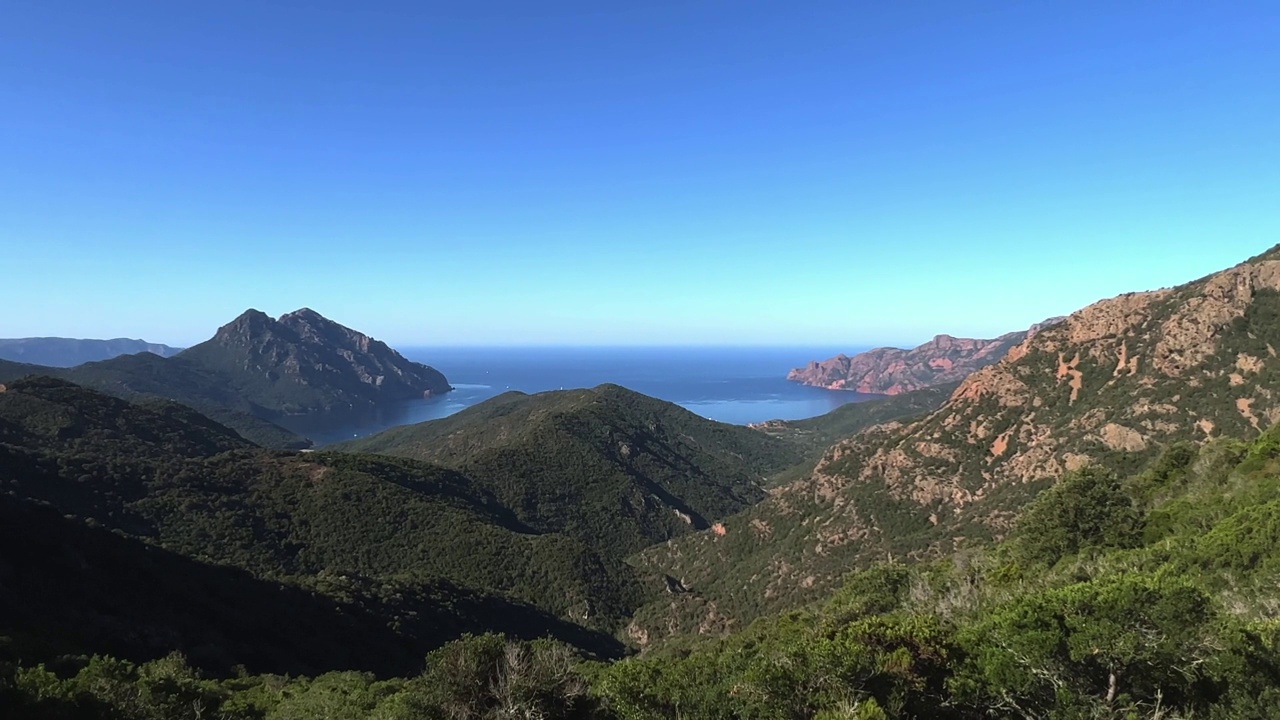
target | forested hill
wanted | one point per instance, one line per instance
(71, 588)
(610, 466)
(146, 376)
(10, 370)
(383, 531)
(1148, 595)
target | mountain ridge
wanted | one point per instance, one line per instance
(1109, 385)
(162, 474)
(69, 352)
(892, 371)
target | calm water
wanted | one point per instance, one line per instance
(735, 385)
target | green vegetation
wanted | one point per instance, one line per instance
(1086, 509)
(1085, 612)
(10, 370)
(480, 676)
(355, 529)
(1118, 622)
(149, 377)
(608, 466)
(72, 588)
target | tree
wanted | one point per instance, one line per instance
(1087, 508)
(1098, 645)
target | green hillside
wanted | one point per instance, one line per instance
(71, 589)
(175, 479)
(609, 466)
(147, 376)
(10, 370)
(1146, 596)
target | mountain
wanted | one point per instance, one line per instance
(609, 466)
(68, 352)
(256, 370)
(1110, 385)
(409, 537)
(304, 363)
(890, 371)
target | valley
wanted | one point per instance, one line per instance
(1119, 456)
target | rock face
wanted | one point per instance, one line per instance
(1111, 385)
(892, 371)
(304, 362)
(69, 352)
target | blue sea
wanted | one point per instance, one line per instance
(731, 384)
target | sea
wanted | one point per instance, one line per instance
(737, 385)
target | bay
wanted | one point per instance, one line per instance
(731, 384)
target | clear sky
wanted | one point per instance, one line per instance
(669, 171)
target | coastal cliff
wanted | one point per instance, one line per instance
(893, 371)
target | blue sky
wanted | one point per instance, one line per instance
(602, 173)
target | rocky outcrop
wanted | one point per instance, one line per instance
(1110, 385)
(892, 371)
(304, 362)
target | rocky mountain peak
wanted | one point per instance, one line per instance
(305, 314)
(305, 362)
(249, 323)
(313, 327)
